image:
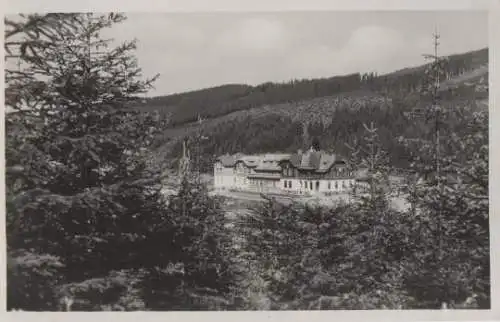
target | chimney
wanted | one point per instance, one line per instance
(316, 145)
(184, 149)
(305, 134)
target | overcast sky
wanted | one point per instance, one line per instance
(198, 50)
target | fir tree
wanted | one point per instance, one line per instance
(194, 270)
(445, 267)
(84, 193)
(371, 163)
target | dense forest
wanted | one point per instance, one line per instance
(271, 117)
(335, 122)
(90, 229)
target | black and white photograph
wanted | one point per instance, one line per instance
(247, 161)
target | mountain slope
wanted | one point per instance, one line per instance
(241, 124)
(214, 102)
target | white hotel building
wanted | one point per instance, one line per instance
(309, 173)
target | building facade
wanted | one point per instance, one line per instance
(302, 173)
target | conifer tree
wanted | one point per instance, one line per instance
(81, 191)
(375, 232)
(444, 268)
(281, 244)
(194, 269)
(370, 160)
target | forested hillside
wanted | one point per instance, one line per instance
(283, 117)
(212, 102)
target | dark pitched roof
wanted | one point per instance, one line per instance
(295, 160)
(263, 162)
(318, 161)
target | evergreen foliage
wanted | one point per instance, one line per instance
(194, 270)
(450, 196)
(334, 121)
(87, 223)
(84, 193)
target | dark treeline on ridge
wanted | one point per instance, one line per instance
(221, 100)
(270, 117)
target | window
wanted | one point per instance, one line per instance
(284, 184)
(310, 185)
(317, 185)
(336, 185)
(329, 186)
(289, 184)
